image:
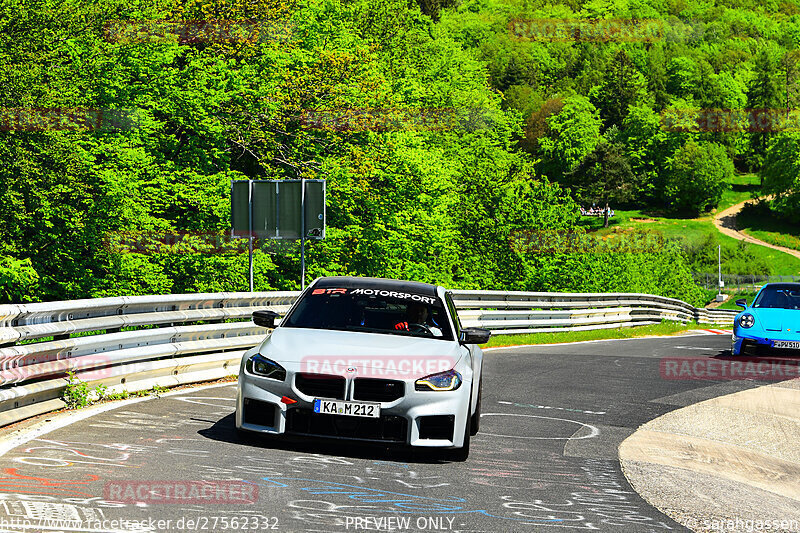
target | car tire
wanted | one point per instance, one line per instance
(748, 350)
(460, 454)
(475, 421)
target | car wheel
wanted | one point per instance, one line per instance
(475, 422)
(747, 349)
(460, 454)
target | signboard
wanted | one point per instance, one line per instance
(279, 209)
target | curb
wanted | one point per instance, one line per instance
(725, 464)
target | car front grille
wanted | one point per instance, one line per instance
(377, 390)
(387, 428)
(321, 385)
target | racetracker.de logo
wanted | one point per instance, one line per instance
(16, 369)
(702, 368)
(181, 492)
(376, 366)
(760, 120)
(196, 31)
(587, 30)
(66, 119)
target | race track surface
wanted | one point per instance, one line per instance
(544, 460)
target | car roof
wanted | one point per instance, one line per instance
(348, 282)
(785, 285)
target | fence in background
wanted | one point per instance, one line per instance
(738, 283)
(134, 342)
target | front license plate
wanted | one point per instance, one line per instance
(338, 407)
(787, 344)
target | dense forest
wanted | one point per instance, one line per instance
(524, 131)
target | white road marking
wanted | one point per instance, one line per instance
(8, 443)
(593, 430)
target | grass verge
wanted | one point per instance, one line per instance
(730, 303)
(692, 232)
(761, 223)
(665, 328)
(743, 187)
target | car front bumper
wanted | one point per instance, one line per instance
(742, 342)
(435, 419)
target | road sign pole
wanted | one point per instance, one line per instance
(250, 233)
(302, 233)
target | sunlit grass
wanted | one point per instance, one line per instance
(694, 231)
(665, 328)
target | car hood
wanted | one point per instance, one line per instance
(333, 352)
(777, 319)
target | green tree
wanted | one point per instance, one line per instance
(623, 86)
(781, 175)
(18, 280)
(683, 77)
(696, 176)
(604, 176)
(764, 92)
(573, 133)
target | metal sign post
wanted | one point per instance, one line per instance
(302, 234)
(250, 229)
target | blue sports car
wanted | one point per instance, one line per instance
(771, 324)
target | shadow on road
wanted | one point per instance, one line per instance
(224, 430)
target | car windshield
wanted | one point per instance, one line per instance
(778, 298)
(372, 311)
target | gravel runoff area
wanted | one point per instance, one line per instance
(731, 463)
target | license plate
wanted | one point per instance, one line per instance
(787, 344)
(338, 407)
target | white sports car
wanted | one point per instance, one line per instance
(366, 359)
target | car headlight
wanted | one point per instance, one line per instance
(261, 366)
(449, 380)
(747, 320)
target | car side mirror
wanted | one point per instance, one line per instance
(474, 336)
(265, 319)
(741, 302)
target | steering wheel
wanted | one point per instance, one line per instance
(419, 328)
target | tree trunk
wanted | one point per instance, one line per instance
(605, 216)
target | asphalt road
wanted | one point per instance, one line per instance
(545, 458)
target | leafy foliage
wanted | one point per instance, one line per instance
(782, 175)
(696, 176)
(735, 256)
(433, 204)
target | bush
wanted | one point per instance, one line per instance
(18, 280)
(696, 176)
(662, 271)
(780, 172)
(736, 258)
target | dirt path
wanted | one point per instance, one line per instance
(725, 221)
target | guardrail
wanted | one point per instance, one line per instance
(536, 312)
(134, 342)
